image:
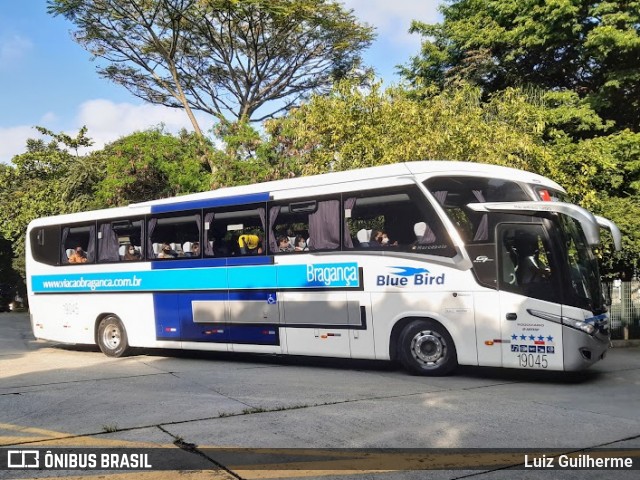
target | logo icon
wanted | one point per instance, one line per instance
(482, 259)
(409, 271)
(23, 459)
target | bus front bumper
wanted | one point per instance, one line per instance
(582, 350)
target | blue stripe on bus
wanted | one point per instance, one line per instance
(190, 263)
(250, 277)
(210, 262)
(210, 202)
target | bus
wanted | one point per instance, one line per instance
(432, 264)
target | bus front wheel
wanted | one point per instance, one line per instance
(112, 337)
(426, 348)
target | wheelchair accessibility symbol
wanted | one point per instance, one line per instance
(271, 300)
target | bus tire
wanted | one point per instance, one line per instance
(426, 348)
(112, 337)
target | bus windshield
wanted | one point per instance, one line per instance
(584, 290)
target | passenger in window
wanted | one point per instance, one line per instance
(195, 249)
(284, 245)
(381, 239)
(250, 244)
(167, 252)
(301, 244)
(78, 256)
(131, 254)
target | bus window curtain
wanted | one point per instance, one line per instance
(441, 196)
(199, 225)
(91, 248)
(482, 233)
(63, 242)
(428, 237)
(349, 203)
(208, 227)
(151, 226)
(262, 213)
(273, 215)
(107, 244)
(324, 226)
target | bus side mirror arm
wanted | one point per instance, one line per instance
(588, 222)
(613, 228)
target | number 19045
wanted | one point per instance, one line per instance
(530, 360)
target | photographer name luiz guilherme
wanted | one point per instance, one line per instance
(577, 461)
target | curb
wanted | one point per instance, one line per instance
(625, 343)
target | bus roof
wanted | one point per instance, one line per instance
(424, 169)
(421, 170)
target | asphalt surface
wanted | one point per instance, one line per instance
(198, 405)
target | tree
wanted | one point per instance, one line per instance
(249, 157)
(45, 180)
(222, 57)
(590, 47)
(152, 164)
(352, 127)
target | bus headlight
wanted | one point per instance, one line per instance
(579, 325)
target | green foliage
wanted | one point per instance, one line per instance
(624, 212)
(152, 164)
(247, 157)
(223, 57)
(590, 47)
(45, 180)
(352, 128)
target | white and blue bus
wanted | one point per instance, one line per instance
(430, 263)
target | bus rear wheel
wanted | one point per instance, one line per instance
(112, 337)
(426, 348)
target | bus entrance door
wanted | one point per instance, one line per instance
(531, 338)
(530, 311)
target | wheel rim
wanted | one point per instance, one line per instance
(112, 336)
(428, 348)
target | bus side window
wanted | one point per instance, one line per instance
(78, 244)
(401, 217)
(317, 221)
(235, 231)
(120, 240)
(167, 234)
(45, 244)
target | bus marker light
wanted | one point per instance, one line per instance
(488, 342)
(544, 195)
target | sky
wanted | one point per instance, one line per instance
(47, 79)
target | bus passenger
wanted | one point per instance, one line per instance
(250, 244)
(78, 256)
(284, 245)
(166, 252)
(131, 254)
(301, 244)
(381, 239)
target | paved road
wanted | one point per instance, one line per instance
(54, 395)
